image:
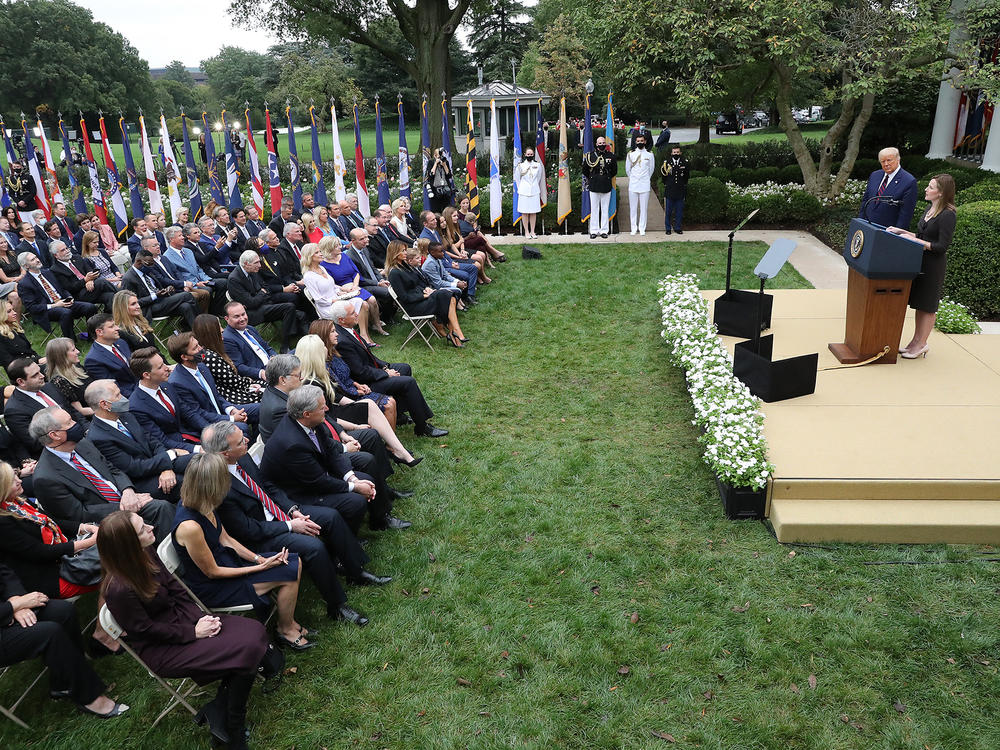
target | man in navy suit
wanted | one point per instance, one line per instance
(206, 257)
(67, 228)
(258, 513)
(77, 278)
(244, 345)
(151, 466)
(891, 195)
(158, 295)
(140, 231)
(335, 222)
(154, 401)
(108, 358)
(156, 223)
(354, 215)
(32, 243)
(254, 224)
(45, 300)
(199, 401)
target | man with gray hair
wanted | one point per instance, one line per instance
(45, 300)
(259, 515)
(206, 257)
(187, 269)
(246, 287)
(277, 224)
(79, 277)
(392, 379)
(313, 463)
(891, 195)
(371, 279)
(283, 375)
(78, 483)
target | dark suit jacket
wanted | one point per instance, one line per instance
(35, 562)
(68, 280)
(134, 245)
(193, 404)
(242, 514)
(377, 245)
(157, 422)
(273, 408)
(19, 410)
(162, 239)
(68, 497)
(139, 457)
(277, 225)
(132, 282)
(255, 227)
(35, 300)
(247, 363)
(288, 266)
(10, 586)
(365, 367)
(356, 257)
(101, 364)
(247, 289)
(43, 249)
(292, 462)
(78, 241)
(896, 204)
(66, 236)
(207, 261)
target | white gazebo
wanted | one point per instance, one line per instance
(504, 94)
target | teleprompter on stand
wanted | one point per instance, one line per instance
(736, 311)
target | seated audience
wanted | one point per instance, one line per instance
(221, 571)
(247, 349)
(199, 402)
(10, 269)
(79, 279)
(436, 268)
(31, 394)
(45, 300)
(78, 484)
(371, 279)
(454, 249)
(154, 401)
(245, 287)
(206, 257)
(233, 386)
(151, 466)
(66, 374)
(417, 296)
(258, 514)
(32, 243)
(109, 355)
(133, 327)
(96, 258)
(159, 295)
(399, 225)
(13, 343)
(186, 266)
(323, 290)
(345, 274)
(172, 634)
(283, 375)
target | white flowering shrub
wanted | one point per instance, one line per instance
(851, 195)
(729, 415)
(954, 317)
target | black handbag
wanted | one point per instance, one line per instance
(271, 668)
(83, 568)
(530, 253)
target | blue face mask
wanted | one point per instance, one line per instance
(76, 433)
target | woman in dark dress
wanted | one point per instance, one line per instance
(417, 297)
(934, 232)
(221, 571)
(171, 633)
(340, 373)
(235, 388)
(133, 327)
(65, 373)
(10, 270)
(13, 343)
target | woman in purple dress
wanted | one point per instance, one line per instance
(171, 633)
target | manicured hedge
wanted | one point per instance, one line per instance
(973, 276)
(984, 190)
(706, 202)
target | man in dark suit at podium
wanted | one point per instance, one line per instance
(891, 195)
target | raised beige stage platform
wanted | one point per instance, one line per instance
(883, 453)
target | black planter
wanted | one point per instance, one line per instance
(741, 503)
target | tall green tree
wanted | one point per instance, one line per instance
(859, 48)
(498, 31)
(428, 25)
(176, 71)
(561, 64)
(237, 75)
(314, 77)
(55, 56)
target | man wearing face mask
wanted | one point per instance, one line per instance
(20, 188)
(128, 447)
(78, 483)
(675, 172)
(639, 166)
(600, 167)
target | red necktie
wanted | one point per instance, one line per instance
(106, 490)
(119, 354)
(75, 271)
(884, 185)
(166, 403)
(48, 401)
(265, 500)
(48, 288)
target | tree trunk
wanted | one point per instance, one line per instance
(704, 136)
(432, 70)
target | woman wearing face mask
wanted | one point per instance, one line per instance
(639, 165)
(438, 182)
(528, 177)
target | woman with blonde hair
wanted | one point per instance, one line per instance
(221, 571)
(97, 259)
(63, 370)
(13, 343)
(135, 330)
(343, 271)
(934, 232)
(323, 222)
(321, 286)
(310, 231)
(398, 221)
(312, 352)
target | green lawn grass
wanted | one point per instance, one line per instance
(570, 581)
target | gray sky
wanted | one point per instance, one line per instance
(163, 31)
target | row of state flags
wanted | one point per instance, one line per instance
(226, 192)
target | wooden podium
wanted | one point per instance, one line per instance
(882, 266)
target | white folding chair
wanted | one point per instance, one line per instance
(257, 450)
(417, 321)
(178, 695)
(168, 556)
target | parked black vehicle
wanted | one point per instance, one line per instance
(729, 122)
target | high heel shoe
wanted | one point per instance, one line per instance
(453, 340)
(921, 352)
(411, 463)
(463, 339)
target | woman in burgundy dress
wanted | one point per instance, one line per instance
(171, 633)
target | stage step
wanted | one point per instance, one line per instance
(886, 520)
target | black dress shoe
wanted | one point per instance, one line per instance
(391, 522)
(416, 460)
(402, 419)
(430, 430)
(347, 614)
(401, 493)
(604, 235)
(667, 232)
(593, 236)
(679, 231)
(370, 579)
(295, 645)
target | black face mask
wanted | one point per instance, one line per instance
(76, 433)
(530, 157)
(641, 145)
(197, 359)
